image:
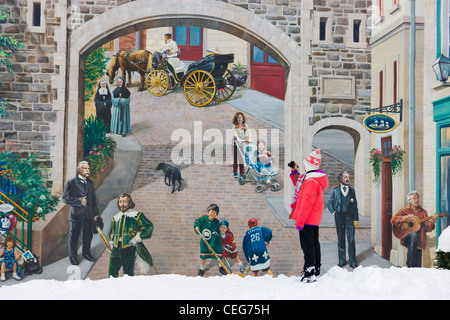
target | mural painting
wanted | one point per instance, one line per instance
(207, 140)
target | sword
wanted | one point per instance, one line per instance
(100, 232)
(102, 235)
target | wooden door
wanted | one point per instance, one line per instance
(190, 40)
(266, 74)
(386, 213)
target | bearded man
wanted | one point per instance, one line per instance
(128, 228)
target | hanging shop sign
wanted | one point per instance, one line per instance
(379, 123)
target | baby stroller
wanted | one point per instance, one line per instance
(263, 176)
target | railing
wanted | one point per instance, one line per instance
(23, 244)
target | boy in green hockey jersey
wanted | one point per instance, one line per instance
(209, 227)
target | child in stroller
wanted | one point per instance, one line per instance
(264, 159)
(258, 164)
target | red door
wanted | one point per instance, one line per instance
(190, 40)
(266, 74)
(386, 191)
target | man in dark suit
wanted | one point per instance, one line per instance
(79, 193)
(342, 204)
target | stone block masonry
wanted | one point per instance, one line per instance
(29, 89)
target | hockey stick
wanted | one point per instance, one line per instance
(238, 273)
(214, 253)
(220, 261)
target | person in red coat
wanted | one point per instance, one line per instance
(307, 208)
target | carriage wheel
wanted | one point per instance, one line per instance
(199, 88)
(230, 86)
(157, 82)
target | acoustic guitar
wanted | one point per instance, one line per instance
(401, 231)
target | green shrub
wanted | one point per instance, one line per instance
(98, 148)
(29, 186)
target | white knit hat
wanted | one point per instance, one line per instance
(312, 161)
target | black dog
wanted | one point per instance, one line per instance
(172, 174)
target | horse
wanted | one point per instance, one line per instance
(129, 61)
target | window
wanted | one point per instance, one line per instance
(323, 22)
(259, 56)
(195, 36)
(323, 28)
(447, 36)
(36, 14)
(444, 190)
(443, 172)
(356, 32)
(181, 36)
(445, 28)
(395, 84)
(386, 146)
(445, 137)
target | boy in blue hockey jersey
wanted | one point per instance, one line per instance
(255, 244)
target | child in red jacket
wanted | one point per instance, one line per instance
(307, 208)
(228, 244)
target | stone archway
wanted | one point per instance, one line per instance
(361, 138)
(146, 14)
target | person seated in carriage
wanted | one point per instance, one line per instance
(169, 48)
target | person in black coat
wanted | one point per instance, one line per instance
(103, 103)
(342, 204)
(79, 193)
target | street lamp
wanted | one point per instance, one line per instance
(442, 69)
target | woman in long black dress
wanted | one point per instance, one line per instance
(103, 103)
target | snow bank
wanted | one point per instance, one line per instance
(361, 283)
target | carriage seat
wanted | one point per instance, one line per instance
(177, 64)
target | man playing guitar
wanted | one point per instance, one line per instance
(415, 241)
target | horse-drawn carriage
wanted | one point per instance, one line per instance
(204, 81)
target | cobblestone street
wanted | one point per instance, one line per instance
(174, 245)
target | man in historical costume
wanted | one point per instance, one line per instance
(414, 241)
(120, 119)
(79, 193)
(169, 48)
(103, 103)
(343, 206)
(128, 228)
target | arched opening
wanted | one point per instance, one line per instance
(348, 149)
(141, 15)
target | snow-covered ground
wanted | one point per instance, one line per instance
(337, 283)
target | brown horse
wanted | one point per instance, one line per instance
(129, 61)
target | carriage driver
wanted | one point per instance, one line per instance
(169, 47)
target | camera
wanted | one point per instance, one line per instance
(291, 165)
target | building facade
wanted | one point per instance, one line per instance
(322, 45)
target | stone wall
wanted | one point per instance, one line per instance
(29, 90)
(338, 57)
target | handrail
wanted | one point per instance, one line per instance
(26, 219)
(15, 205)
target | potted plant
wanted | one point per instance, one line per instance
(240, 72)
(376, 158)
(396, 157)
